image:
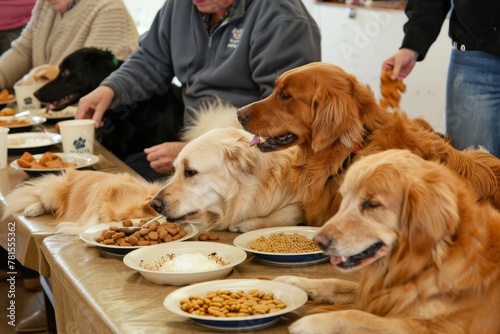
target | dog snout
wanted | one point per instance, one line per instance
(323, 241)
(243, 115)
(158, 205)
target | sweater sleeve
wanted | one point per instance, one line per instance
(425, 18)
(148, 71)
(16, 61)
(114, 30)
(274, 53)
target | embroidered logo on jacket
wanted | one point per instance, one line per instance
(235, 39)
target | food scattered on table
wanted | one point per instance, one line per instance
(48, 160)
(155, 233)
(7, 111)
(232, 304)
(5, 96)
(183, 263)
(284, 243)
(208, 236)
(15, 121)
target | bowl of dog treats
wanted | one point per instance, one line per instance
(287, 246)
(235, 304)
(111, 238)
(185, 262)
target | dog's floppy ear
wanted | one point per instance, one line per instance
(335, 117)
(430, 215)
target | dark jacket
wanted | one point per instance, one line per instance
(473, 23)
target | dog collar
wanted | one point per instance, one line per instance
(115, 61)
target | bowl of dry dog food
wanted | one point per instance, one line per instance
(110, 239)
(185, 262)
(289, 246)
(237, 304)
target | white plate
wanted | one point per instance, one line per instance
(81, 160)
(90, 235)
(6, 102)
(68, 112)
(33, 120)
(33, 142)
(228, 253)
(292, 296)
(282, 259)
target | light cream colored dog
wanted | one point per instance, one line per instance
(429, 252)
(224, 183)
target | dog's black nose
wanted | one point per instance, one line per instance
(322, 241)
(157, 205)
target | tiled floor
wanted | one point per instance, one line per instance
(26, 302)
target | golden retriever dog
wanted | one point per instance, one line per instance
(428, 250)
(39, 75)
(80, 199)
(223, 183)
(334, 120)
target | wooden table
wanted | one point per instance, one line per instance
(96, 293)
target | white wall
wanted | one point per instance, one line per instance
(143, 12)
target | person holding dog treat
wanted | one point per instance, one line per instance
(473, 84)
(60, 27)
(232, 50)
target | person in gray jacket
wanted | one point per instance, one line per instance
(228, 49)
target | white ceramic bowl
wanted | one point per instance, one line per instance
(229, 253)
(92, 233)
(292, 296)
(282, 259)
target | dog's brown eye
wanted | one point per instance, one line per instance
(66, 73)
(283, 96)
(189, 172)
(369, 205)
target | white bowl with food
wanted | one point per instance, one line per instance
(32, 142)
(287, 246)
(273, 299)
(185, 262)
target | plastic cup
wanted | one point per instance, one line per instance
(3, 147)
(77, 135)
(25, 97)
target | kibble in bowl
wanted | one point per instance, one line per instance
(285, 297)
(289, 246)
(121, 245)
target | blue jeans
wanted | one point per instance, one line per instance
(473, 100)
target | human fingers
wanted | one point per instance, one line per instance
(95, 104)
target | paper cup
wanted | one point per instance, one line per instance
(25, 97)
(77, 135)
(3, 147)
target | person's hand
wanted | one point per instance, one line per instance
(94, 104)
(161, 156)
(401, 64)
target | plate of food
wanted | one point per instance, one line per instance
(32, 142)
(66, 113)
(18, 124)
(187, 262)
(49, 162)
(258, 303)
(289, 246)
(107, 236)
(6, 98)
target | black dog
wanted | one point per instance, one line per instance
(79, 74)
(128, 129)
